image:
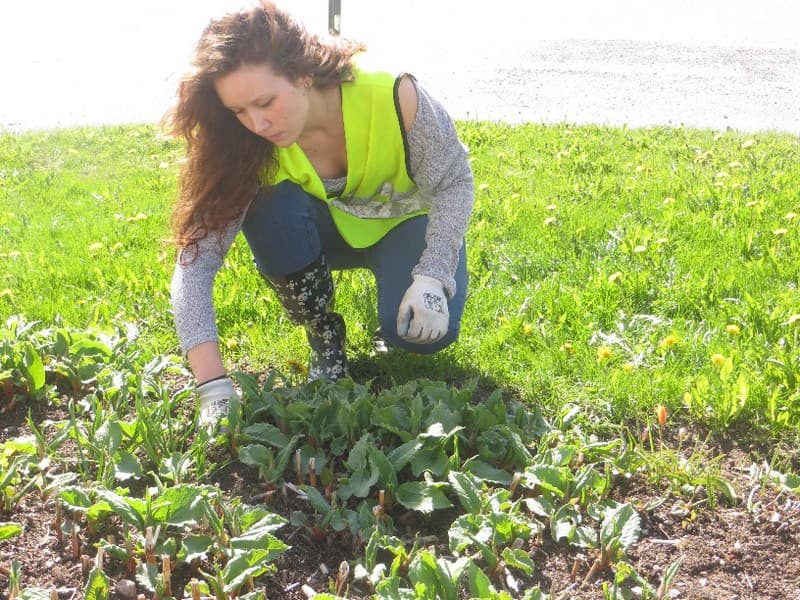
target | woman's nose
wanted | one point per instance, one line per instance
(259, 122)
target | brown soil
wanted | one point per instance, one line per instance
(728, 552)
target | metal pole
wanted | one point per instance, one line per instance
(334, 17)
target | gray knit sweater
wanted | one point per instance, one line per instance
(439, 166)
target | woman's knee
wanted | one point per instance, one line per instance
(280, 229)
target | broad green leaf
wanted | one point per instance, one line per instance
(360, 482)
(432, 459)
(480, 586)
(265, 432)
(148, 576)
(540, 506)
(33, 367)
(98, 586)
(621, 526)
(317, 500)
(76, 499)
(108, 436)
(422, 496)
(549, 478)
(467, 490)
(484, 471)
(402, 455)
(357, 459)
(89, 347)
(256, 455)
(127, 467)
(261, 517)
(9, 530)
(181, 506)
(130, 510)
(246, 565)
(519, 559)
(260, 539)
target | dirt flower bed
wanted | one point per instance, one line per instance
(747, 550)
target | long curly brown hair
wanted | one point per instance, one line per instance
(224, 159)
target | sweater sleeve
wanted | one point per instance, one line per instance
(192, 288)
(440, 167)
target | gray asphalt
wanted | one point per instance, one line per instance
(711, 64)
(634, 83)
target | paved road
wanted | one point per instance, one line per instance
(715, 63)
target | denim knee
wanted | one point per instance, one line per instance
(280, 229)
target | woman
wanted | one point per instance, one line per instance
(322, 164)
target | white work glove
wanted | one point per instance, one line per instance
(214, 399)
(423, 317)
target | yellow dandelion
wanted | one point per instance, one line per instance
(669, 341)
(615, 277)
(567, 348)
(604, 353)
(231, 344)
(733, 329)
(628, 367)
(527, 329)
(718, 360)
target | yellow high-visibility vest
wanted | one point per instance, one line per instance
(379, 193)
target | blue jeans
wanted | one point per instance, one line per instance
(287, 230)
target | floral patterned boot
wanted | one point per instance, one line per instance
(307, 295)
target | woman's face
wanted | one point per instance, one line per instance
(267, 104)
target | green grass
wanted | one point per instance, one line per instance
(607, 267)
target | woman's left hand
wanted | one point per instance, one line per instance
(423, 317)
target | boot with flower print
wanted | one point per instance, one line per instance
(307, 296)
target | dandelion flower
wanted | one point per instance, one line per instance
(567, 348)
(669, 341)
(604, 353)
(718, 360)
(527, 329)
(733, 329)
(628, 367)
